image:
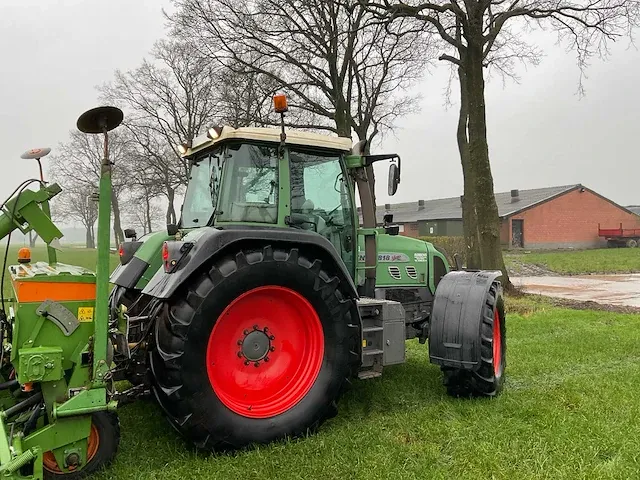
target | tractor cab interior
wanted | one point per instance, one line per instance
(250, 190)
(320, 198)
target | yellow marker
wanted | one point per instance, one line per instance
(364, 343)
(85, 314)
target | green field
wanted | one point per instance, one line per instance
(607, 260)
(570, 410)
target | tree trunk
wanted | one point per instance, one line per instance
(371, 178)
(488, 222)
(89, 241)
(171, 211)
(33, 237)
(470, 226)
(147, 228)
(117, 227)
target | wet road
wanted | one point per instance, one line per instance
(608, 289)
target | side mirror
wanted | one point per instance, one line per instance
(130, 233)
(172, 229)
(394, 179)
(390, 229)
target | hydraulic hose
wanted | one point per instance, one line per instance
(23, 405)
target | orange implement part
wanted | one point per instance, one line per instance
(30, 291)
(93, 442)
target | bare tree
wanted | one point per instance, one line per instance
(342, 69)
(74, 204)
(244, 97)
(142, 206)
(157, 167)
(77, 166)
(33, 238)
(479, 34)
(168, 100)
(143, 212)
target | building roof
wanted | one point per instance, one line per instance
(295, 137)
(451, 209)
(634, 208)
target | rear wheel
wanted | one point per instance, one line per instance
(488, 379)
(255, 350)
(632, 243)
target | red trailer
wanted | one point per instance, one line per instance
(620, 237)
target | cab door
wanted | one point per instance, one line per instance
(321, 199)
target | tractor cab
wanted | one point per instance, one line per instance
(245, 176)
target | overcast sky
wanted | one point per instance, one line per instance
(54, 53)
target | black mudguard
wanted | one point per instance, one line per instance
(127, 276)
(456, 318)
(209, 242)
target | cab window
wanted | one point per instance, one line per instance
(250, 188)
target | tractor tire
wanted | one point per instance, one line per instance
(488, 379)
(256, 349)
(101, 450)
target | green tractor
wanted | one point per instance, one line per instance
(246, 321)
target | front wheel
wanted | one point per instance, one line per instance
(488, 379)
(256, 349)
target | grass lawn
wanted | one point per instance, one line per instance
(570, 410)
(606, 260)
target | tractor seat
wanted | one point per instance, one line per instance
(253, 212)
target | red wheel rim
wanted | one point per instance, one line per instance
(265, 352)
(497, 343)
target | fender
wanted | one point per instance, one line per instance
(456, 318)
(208, 242)
(146, 260)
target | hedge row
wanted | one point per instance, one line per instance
(450, 246)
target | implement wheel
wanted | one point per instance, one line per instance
(488, 379)
(255, 350)
(102, 446)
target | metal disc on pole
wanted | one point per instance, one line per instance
(100, 119)
(35, 153)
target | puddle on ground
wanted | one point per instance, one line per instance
(611, 289)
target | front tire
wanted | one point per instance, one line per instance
(254, 350)
(488, 379)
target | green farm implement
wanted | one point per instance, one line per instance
(246, 321)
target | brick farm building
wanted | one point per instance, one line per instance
(543, 218)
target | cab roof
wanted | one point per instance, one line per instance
(294, 137)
